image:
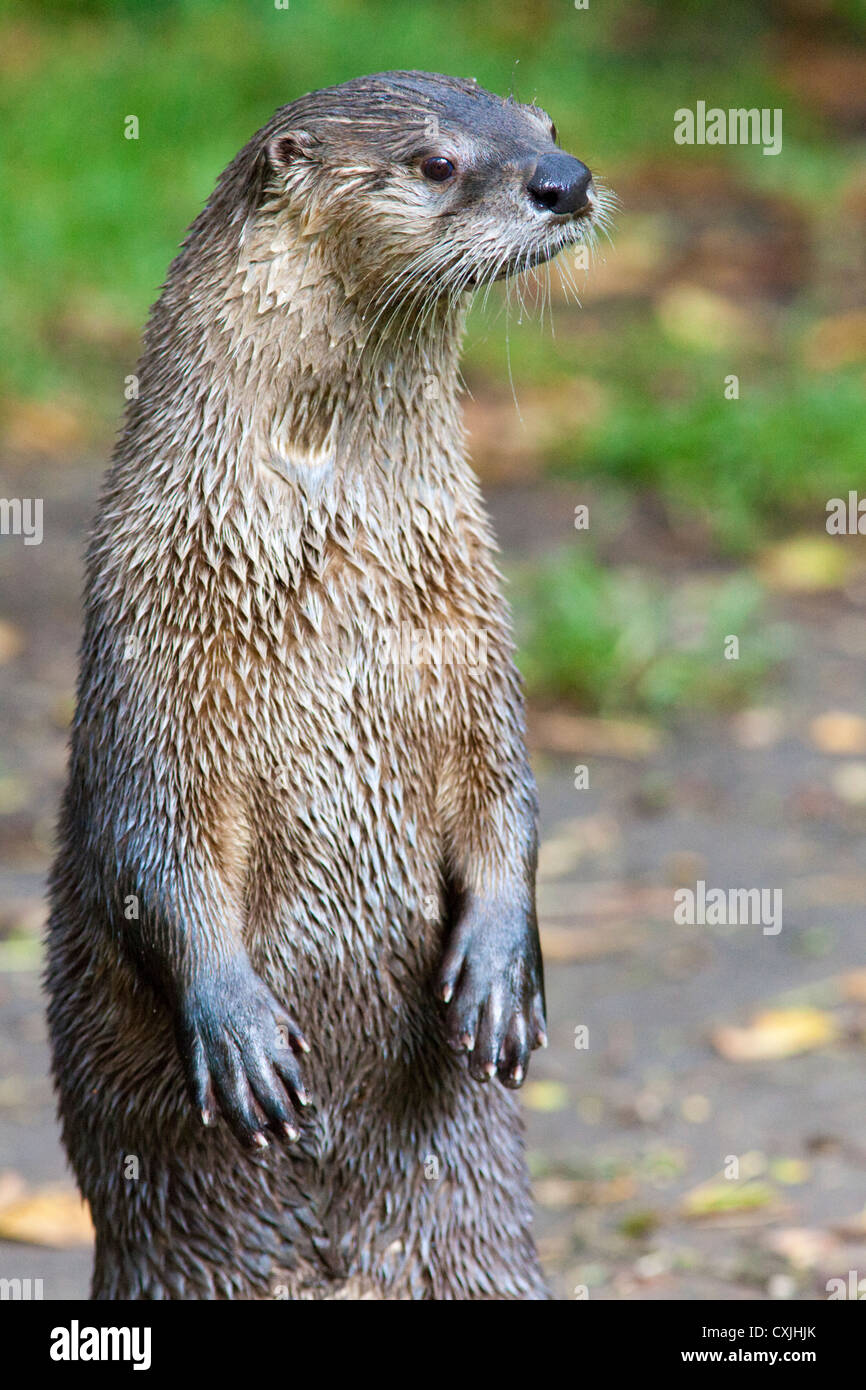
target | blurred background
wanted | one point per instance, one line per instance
(697, 1126)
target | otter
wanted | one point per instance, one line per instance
(293, 935)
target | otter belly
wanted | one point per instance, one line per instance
(344, 874)
(352, 944)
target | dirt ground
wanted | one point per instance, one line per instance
(667, 1164)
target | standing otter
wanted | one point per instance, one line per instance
(280, 817)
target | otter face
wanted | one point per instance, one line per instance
(431, 185)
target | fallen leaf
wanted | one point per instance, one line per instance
(612, 1191)
(827, 76)
(558, 1192)
(12, 1187)
(636, 267)
(758, 728)
(839, 732)
(11, 641)
(726, 1197)
(802, 1246)
(774, 1034)
(790, 1172)
(849, 783)
(559, 732)
(696, 1109)
(53, 1216)
(805, 565)
(545, 1095)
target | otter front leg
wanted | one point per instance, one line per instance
(491, 977)
(161, 847)
(491, 980)
(239, 1051)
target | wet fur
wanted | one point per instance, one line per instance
(267, 789)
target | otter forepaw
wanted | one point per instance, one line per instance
(239, 1050)
(491, 983)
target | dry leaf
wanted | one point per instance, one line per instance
(12, 1187)
(559, 732)
(54, 1216)
(574, 840)
(572, 1192)
(775, 1033)
(839, 732)
(849, 783)
(545, 1095)
(559, 1192)
(11, 641)
(758, 728)
(802, 1246)
(726, 1197)
(805, 565)
(637, 265)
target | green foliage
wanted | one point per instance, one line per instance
(91, 220)
(617, 640)
(742, 470)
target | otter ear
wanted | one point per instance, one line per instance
(291, 147)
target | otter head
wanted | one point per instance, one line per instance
(418, 187)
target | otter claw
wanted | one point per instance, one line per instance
(491, 980)
(239, 1049)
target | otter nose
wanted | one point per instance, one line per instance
(560, 183)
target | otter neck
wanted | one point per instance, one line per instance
(332, 372)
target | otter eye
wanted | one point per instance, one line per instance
(437, 168)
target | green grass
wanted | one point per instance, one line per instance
(737, 472)
(615, 641)
(740, 471)
(94, 219)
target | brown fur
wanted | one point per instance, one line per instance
(263, 788)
